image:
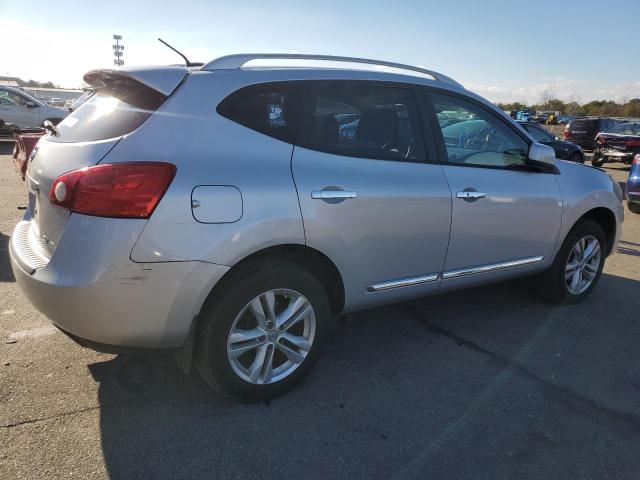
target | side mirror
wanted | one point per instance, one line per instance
(30, 105)
(542, 154)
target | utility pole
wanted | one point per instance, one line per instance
(118, 51)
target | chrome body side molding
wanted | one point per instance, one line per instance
(490, 268)
(405, 282)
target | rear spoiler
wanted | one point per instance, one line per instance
(162, 80)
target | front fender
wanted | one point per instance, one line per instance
(583, 190)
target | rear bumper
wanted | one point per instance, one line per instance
(92, 290)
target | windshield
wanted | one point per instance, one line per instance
(625, 129)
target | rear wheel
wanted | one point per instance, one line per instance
(262, 331)
(634, 207)
(577, 266)
(597, 160)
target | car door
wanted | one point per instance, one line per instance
(506, 215)
(372, 195)
(14, 109)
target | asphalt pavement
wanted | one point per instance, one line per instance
(487, 383)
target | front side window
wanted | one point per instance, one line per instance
(367, 121)
(273, 109)
(12, 98)
(473, 136)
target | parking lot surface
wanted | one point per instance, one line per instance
(486, 383)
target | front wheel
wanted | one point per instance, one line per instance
(634, 207)
(577, 266)
(576, 157)
(262, 331)
(597, 160)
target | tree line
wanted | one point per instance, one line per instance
(597, 108)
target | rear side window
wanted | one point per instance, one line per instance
(365, 121)
(273, 109)
(120, 106)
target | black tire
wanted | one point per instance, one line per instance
(634, 207)
(576, 157)
(597, 160)
(552, 284)
(224, 305)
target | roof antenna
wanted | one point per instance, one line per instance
(187, 63)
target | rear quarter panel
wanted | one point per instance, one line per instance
(211, 150)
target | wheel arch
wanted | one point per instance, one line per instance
(607, 221)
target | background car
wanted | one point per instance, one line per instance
(564, 150)
(618, 144)
(583, 131)
(25, 141)
(633, 186)
(564, 119)
(22, 109)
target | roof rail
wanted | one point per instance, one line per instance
(231, 62)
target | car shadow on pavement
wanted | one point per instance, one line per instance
(409, 390)
(6, 275)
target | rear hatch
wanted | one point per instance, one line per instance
(583, 128)
(124, 100)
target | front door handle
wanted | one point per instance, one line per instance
(470, 195)
(332, 194)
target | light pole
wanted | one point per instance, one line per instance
(118, 51)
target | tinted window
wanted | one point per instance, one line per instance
(473, 136)
(584, 124)
(365, 121)
(270, 108)
(538, 133)
(119, 107)
(99, 118)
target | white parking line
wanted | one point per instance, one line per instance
(32, 333)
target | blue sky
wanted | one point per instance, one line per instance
(504, 50)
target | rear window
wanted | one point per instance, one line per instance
(119, 107)
(584, 124)
(273, 109)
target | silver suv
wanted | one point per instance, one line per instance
(230, 212)
(22, 109)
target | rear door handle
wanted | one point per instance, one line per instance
(332, 194)
(472, 195)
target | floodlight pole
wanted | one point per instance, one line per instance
(118, 51)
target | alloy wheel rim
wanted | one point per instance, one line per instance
(271, 336)
(583, 264)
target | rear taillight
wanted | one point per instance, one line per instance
(120, 190)
(601, 140)
(566, 134)
(632, 143)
